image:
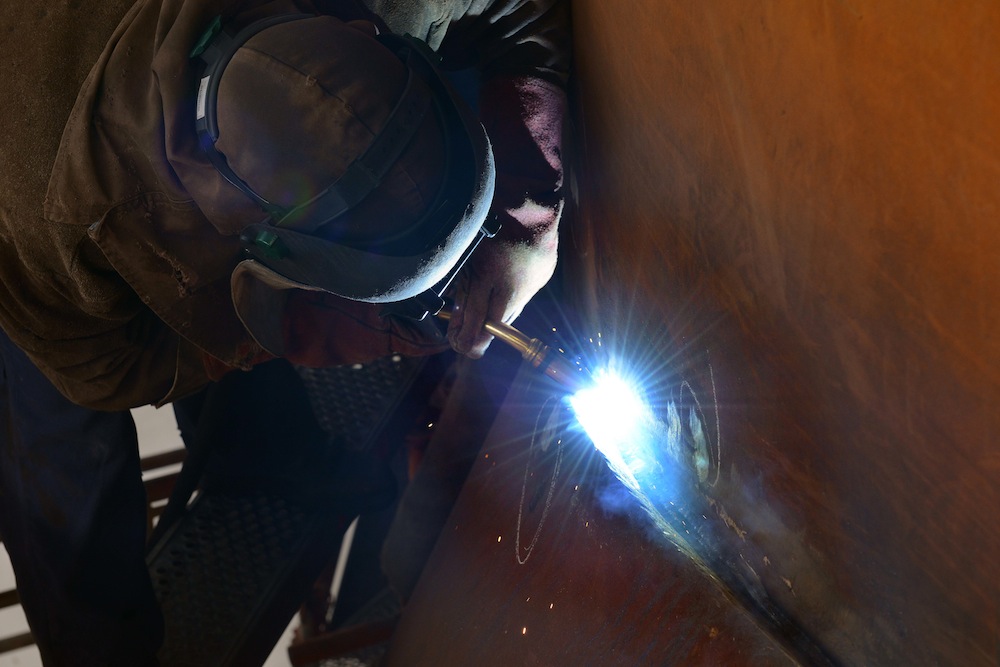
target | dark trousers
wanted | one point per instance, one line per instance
(73, 519)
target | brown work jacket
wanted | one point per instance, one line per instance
(118, 238)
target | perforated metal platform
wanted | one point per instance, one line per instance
(384, 606)
(232, 572)
(350, 401)
(219, 573)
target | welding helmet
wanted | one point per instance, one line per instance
(374, 177)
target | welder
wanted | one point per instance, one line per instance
(195, 187)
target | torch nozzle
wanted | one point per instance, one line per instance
(549, 361)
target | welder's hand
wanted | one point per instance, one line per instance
(523, 116)
(323, 330)
(497, 284)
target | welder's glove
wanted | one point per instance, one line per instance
(523, 117)
(324, 330)
(500, 280)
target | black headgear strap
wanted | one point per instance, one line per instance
(216, 48)
(445, 233)
(362, 176)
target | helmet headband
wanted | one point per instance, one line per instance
(424, 256)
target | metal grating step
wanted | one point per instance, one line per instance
(361, 641)
(233, 570)
(384, 606)
(216, 573)
(349, 400)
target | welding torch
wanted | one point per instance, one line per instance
(552, 363)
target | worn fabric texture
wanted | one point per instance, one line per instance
(118, 237)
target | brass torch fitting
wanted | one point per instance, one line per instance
(550, 362)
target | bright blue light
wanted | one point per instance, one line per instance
(659, 453)
(618, 422)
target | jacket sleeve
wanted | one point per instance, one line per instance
(521, 50)
(81, 324)
(519, 38)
